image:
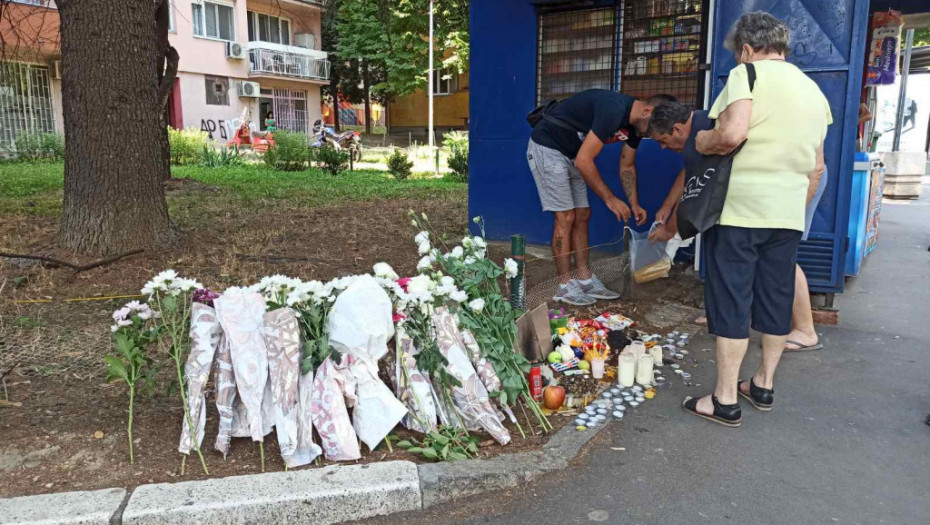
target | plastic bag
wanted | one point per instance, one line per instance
(649, 260)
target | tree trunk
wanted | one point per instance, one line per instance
(367, 82)
(113, 59)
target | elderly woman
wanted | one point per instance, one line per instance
(751, 253)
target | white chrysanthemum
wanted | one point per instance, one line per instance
(459, 296)
(383, 269)
(511, 268)
(477, 305)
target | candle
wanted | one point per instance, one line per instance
(656, 352)
(627, 366)
(639, 348)
(644, 370)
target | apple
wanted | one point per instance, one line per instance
(553, 397)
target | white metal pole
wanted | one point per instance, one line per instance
(905, 67)
(432, 142)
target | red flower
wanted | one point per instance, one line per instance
(403, 283)
(398, 318)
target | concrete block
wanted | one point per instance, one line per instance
(828, 317)
(902, 186)
(904, 162)
(441, 482)
(87, 507)
(319, 496)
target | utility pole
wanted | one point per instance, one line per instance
(432, 141)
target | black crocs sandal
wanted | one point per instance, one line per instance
(761, 398)
(726, 415)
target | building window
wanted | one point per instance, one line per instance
(217, 89)
(172, 28)
(267, 28)
(213, 20)
(445, 82)
(25, 102)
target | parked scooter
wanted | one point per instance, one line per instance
(349, 140)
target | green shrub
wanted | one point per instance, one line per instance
(331, 158)
(289, 152)
(186, 145)
(399, 165)
(224, 158)
(458, 163)
(455, 140)
(40, 146)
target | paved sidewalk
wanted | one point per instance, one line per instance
(846, 442)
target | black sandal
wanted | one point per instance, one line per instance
(726, 415)
(761, 398)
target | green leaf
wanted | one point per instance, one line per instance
(404, 444)
(416, 450)
(473, 448)
(457, 455)
(430, 453)
(444, 452)
(116, 368)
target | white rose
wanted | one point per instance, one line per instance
(457, 253)
(480, 242)
(477, 305)
(384, 270)
(511, 268)
(467, 242)
(422, 237)
(423, 248)
(459, 296)
(470, 260)
(425, 263)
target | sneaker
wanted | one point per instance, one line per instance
(571, 293)
(596, 289)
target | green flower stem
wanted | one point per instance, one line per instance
(261, 453)
(175, 352)
(132, 396)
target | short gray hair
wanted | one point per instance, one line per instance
(763, 32)
(666, 115)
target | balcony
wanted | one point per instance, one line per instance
(280, 61)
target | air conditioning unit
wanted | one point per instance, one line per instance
(248, 89)
(197, 2)
(305, 40)
(235, 50)
(55, 69)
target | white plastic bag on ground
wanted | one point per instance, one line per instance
(360, 325)
(649, 260)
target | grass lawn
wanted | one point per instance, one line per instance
(36, 188)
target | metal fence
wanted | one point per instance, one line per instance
(25, 102)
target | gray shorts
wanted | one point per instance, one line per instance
(812, 207)
(560, 185)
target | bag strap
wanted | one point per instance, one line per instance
(559, 122)
(751, 73)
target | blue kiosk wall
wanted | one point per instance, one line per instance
(828, 43)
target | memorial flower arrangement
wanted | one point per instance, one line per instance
(170, 296)
(486, 313)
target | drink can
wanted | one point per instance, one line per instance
(535, 381)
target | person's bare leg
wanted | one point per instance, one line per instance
(730, 353)
(802, 319)
(562, 244)
(580, 242)
(772, 348)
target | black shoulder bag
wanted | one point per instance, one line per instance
(706, 187)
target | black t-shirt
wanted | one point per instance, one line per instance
(602, 111)
(699, 122)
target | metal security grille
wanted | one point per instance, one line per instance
(290, 109)
(577, 50)
(663, 42)
(25, 102)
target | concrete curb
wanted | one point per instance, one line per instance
(86, 507)
(332, 494)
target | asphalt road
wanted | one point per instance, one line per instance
(846, 442)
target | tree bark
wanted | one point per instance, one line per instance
(116, 162)
(367, 81)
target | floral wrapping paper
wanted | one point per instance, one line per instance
(329, 413)
(471, 399)
(282, 339)
(482, 366)
(224, 380)
(307, 450)
(241, 314)
(205, 338)
(413, 388)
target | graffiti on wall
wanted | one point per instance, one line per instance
(211, 126)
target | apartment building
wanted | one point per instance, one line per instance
(237, 57)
